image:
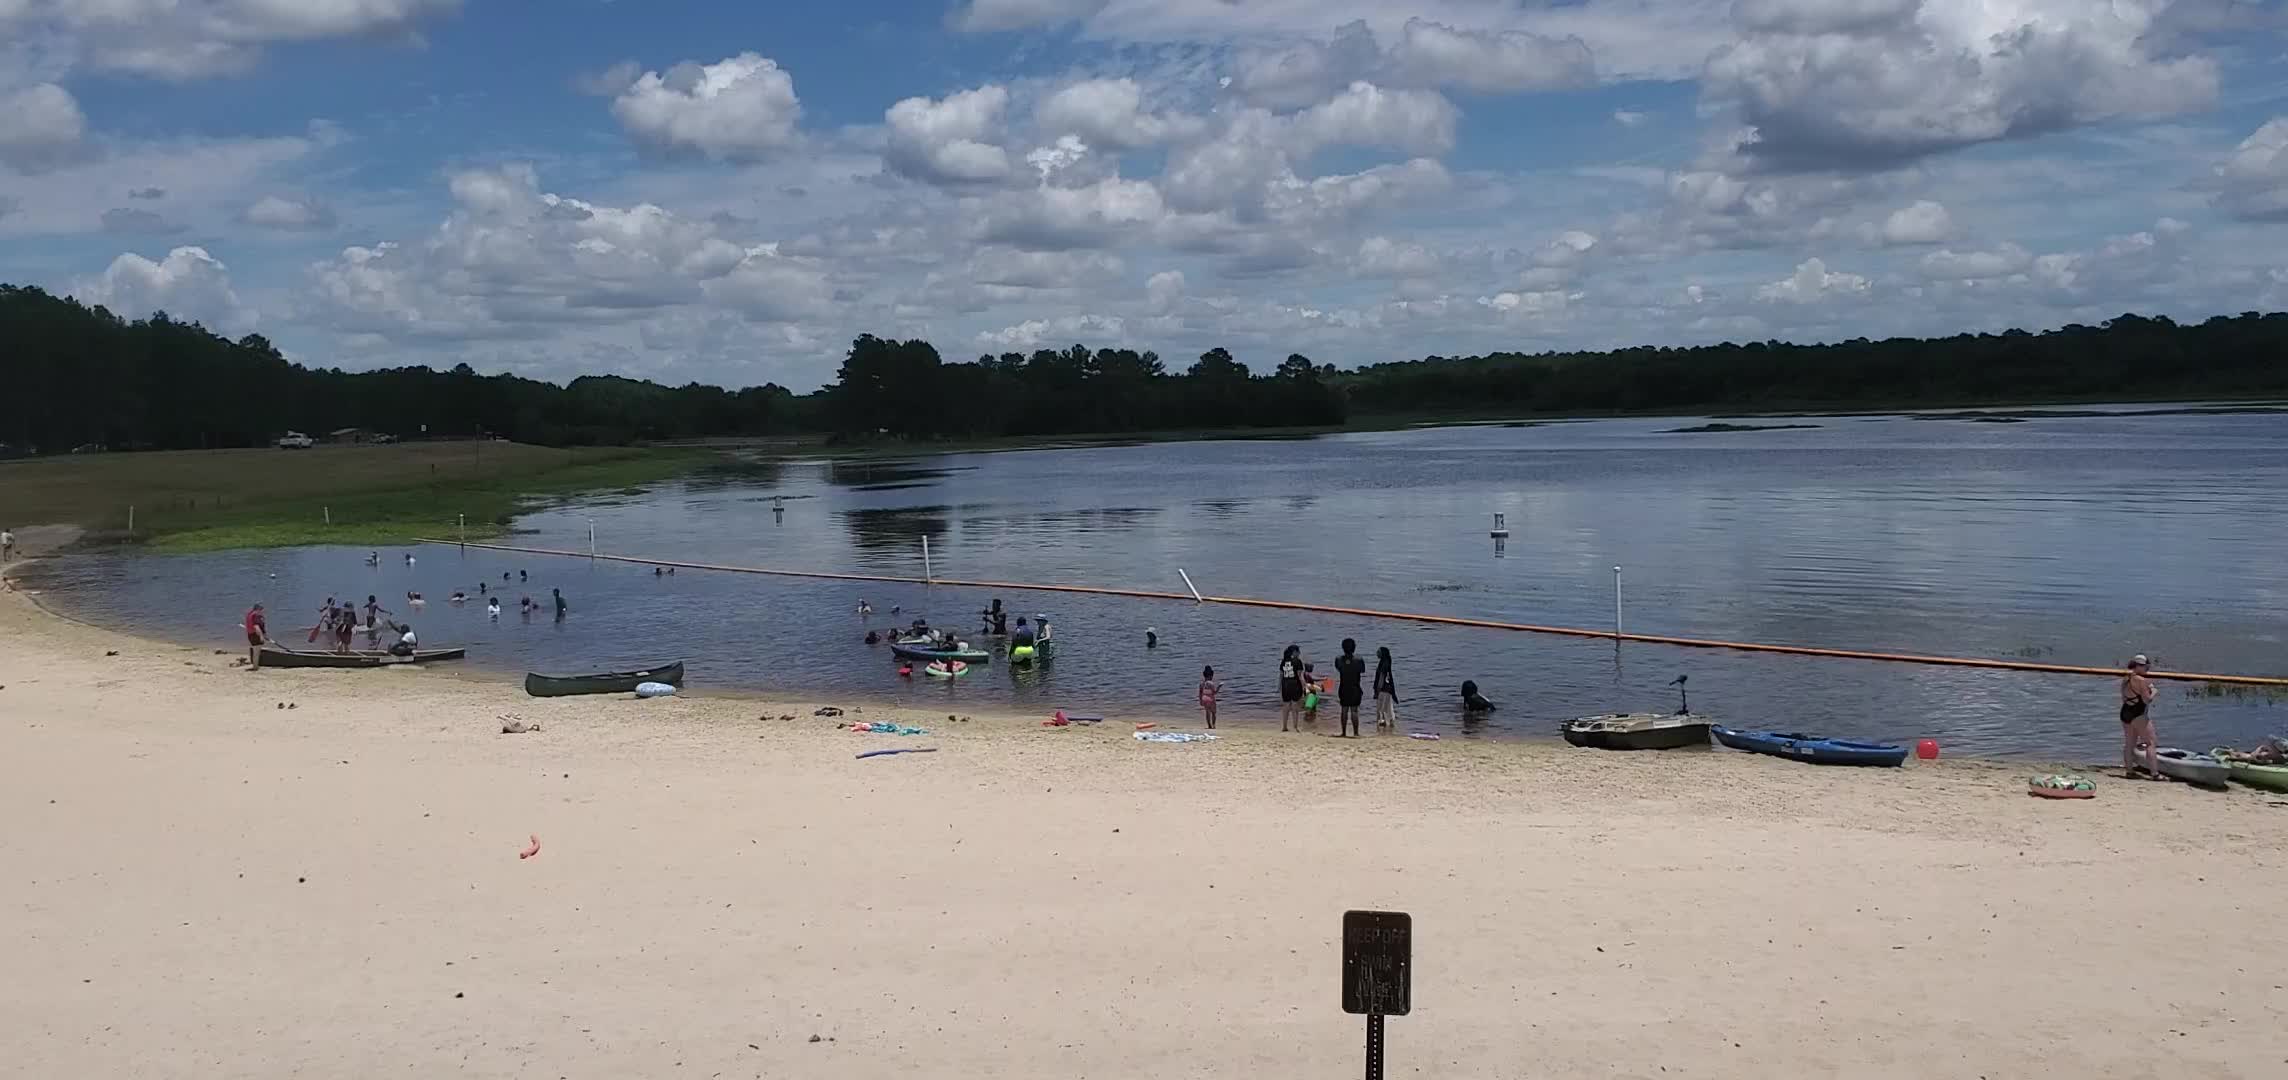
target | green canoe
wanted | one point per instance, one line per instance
(2268, 777)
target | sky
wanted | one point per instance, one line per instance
(729, 193)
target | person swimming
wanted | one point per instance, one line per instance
(873, 638)
(1024, 637)
(1473, 702)
(492, 609)
(1151, 638)
(458, 597)
(864, 608)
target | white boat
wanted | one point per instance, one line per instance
(2200, 770)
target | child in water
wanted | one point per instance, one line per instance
(1310, 696)
(1209, 690)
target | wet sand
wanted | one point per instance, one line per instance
(200, 883)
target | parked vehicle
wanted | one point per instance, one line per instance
(295, 440)
(383, 440)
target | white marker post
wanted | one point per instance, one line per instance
(1616, 607)
(1196, 598)
(928, 578)
(131, 519)
(464, 530)
(328, 511)
(591, 538)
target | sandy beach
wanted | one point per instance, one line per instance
(199, 882)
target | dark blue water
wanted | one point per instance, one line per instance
(2072, 540)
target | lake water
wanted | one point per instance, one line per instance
(2074, 540)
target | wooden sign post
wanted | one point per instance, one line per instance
(1378, 961)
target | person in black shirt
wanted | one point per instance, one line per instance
(1349, 668)
(1291, 687)
(1385, 692)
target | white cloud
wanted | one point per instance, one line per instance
(1015, 268)
(1163, 291)
(291, 214)
(1630, 117)
(40, 127)
(950, 140)
(1921, 222)
(1812, 282)
(1049, 218)
(1381, 256)
(188, 284)
(738, 109)
(991, 15)
(1111, 112)
(1414, 121)
(510, 253)
(1094, 330)
(1421, 54)
(1869, 84)
(2002, 261)
(2253, 179)
(188, 39)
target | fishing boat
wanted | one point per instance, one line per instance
(2200, 770)
(272, 656)
(1815, 749)
(966, 656)
(609, 682)
(1638, 731)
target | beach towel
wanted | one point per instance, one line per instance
(1174, 736)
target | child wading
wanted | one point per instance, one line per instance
(1209, 689)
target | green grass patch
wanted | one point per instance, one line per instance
(373, 495)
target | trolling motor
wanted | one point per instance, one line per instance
(1683, 703)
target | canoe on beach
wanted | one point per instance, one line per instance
(609, 682)
(274, 657)
(1812, 748)
(2268, 777)
(1638, 731)
(2200, 770)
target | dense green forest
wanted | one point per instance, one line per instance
(2131, 358)
(77, 375)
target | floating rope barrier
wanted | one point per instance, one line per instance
(1403, 616)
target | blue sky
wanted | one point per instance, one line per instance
(729, 193)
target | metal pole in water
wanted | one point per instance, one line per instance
(329, 512)
(464, 530)
(1196, 598)
(1616, 607)
(591, 538)
(927, 577)
(131, 519)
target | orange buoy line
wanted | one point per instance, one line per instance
(1407, 616)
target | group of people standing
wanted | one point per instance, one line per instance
(1300, 688)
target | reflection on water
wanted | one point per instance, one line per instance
(2078, 540)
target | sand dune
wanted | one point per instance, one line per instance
(199, 883)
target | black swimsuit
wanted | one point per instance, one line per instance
(2132, 710)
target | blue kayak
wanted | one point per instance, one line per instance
(1812, 748)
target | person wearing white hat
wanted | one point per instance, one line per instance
(2137, 721)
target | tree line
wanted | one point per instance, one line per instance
(78, 375)
(2129, 358)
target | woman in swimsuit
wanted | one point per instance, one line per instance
(2137, 721)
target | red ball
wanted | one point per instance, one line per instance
(1927, 750)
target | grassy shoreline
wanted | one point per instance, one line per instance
(374, 495)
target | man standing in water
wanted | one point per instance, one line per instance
(559, 595)
(7, 545)
(1350, 668)
(2137, 696)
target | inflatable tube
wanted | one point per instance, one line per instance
(1023, 654)
(2061, 787)
(946, 669)
(654, 689)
